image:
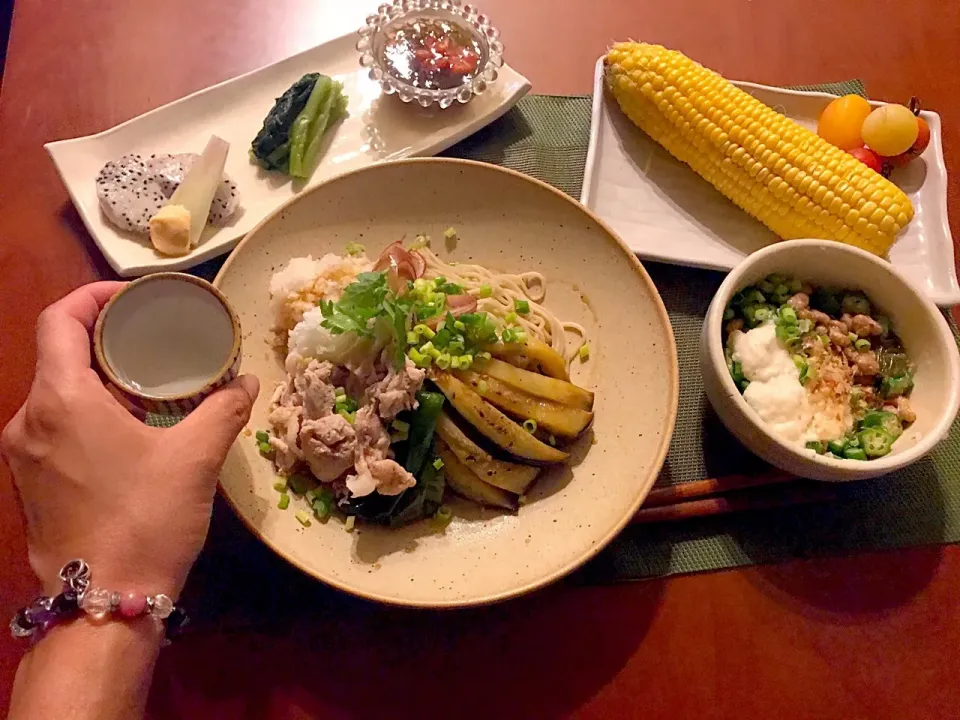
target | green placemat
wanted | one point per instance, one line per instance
(546, 137)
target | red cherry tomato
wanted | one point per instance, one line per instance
(868, 157)
(923, 139)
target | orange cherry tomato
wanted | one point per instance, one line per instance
(841, 121)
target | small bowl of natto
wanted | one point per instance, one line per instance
(167, 341)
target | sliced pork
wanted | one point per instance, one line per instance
(373, 444)
(307, 430)
(285, 422)
(329, 446)
(397, 391)
(316, 384)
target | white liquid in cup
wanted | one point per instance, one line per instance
(167, 338)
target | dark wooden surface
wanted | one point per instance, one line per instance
(871, 636)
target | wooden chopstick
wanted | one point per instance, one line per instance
(700, 497)
(807, 493)
(713, 486)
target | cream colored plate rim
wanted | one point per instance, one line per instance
(589, 551)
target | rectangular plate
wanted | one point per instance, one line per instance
(377, 128)
(664, 211)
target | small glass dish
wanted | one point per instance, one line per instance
(431, 51)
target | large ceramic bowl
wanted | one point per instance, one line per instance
(506, 221)
(920, 325)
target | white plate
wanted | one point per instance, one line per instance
(666, 212)
(377, 128)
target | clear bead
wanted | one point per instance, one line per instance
(162, 606)
(96, 603)
(18, 630)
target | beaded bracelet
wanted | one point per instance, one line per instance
(78, 595)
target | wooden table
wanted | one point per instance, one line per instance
(872, 636)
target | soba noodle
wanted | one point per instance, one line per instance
(506, 289)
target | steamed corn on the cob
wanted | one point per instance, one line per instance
(784, 175)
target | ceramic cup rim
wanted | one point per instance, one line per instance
(837, 470)
(177, 277)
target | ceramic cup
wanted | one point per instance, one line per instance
(927, 338)
(167, 341)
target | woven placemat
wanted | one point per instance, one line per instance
(546, 137)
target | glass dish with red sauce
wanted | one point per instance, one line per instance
(431, 51)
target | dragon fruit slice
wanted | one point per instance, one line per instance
(132, 189)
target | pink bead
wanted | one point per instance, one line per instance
(133, 604)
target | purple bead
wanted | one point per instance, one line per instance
(176, 622)
(40, 604)
(66, 603)
(39, 611)
(43, 617)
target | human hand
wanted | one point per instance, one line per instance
(95, 482)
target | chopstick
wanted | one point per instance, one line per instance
(723, 505)
(713, 486)
(696, 499)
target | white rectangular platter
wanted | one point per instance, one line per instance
(666, 212)
(378, 128)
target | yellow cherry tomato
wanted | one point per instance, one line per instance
(890, 130)
(841, 121)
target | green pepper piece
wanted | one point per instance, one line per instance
(855, 304)
(891, 387)
(884, 322)
(333, 109)
(837, 446)
(422, 427)
(300, 483)
(854, 453)
(825, 301)
(882, 419)
(303, 124)
(876, 442)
